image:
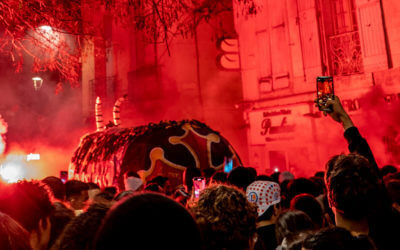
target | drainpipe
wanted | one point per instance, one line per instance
(387, 45)
(196, 43)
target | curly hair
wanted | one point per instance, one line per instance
(227, 220)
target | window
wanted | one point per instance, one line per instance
(343, 46)
(345, 17)
(273, 48)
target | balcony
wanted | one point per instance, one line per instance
(345, 54)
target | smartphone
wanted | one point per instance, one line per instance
(64, 176)
(325, 90)
(199, 184)
(228, 165)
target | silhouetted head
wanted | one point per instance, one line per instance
(60, 217)
(148, 221)
(241, 177)
(103, 198)
(207, 173)
(12, 235)
(319, 184)
(162, 182)
(292, 222)
(77, 193)
(275, 176)
(56, 186)
(26, 202)
(309, 205)
(394, 176)
(336, 238)
(354, 189)
(319, 174)
(81, 231)
(301, 186)
(94, 189)
(219, 178)
(29, 204)
(252, 171)
(111, 190)
(285, 176)
(393, 188)
(153, 187)
(263, 177)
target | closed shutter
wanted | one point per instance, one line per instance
(309, 38)
(371, 35)
(280, 50)
(264, 62)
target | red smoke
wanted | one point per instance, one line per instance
(379, 122)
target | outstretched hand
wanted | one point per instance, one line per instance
(338, 113)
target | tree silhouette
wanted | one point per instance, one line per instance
(49, 34)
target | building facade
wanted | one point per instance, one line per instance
(197, 77)
(285, 46)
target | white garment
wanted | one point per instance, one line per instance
(133, 183)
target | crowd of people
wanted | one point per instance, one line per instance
(353, 204)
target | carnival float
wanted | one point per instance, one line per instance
(165, 149)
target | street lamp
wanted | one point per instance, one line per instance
(37, 82)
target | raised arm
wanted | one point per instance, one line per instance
(356, 143)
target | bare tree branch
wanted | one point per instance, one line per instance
(160, 21)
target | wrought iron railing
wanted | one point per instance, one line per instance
(345, 54)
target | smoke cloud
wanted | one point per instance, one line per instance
(40, 121)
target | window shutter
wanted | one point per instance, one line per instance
(371, 35)
(280, 50)
(309, 38)
(264, 61)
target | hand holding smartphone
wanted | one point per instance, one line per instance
(64, 176)
(325, 91)
(199, 184)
